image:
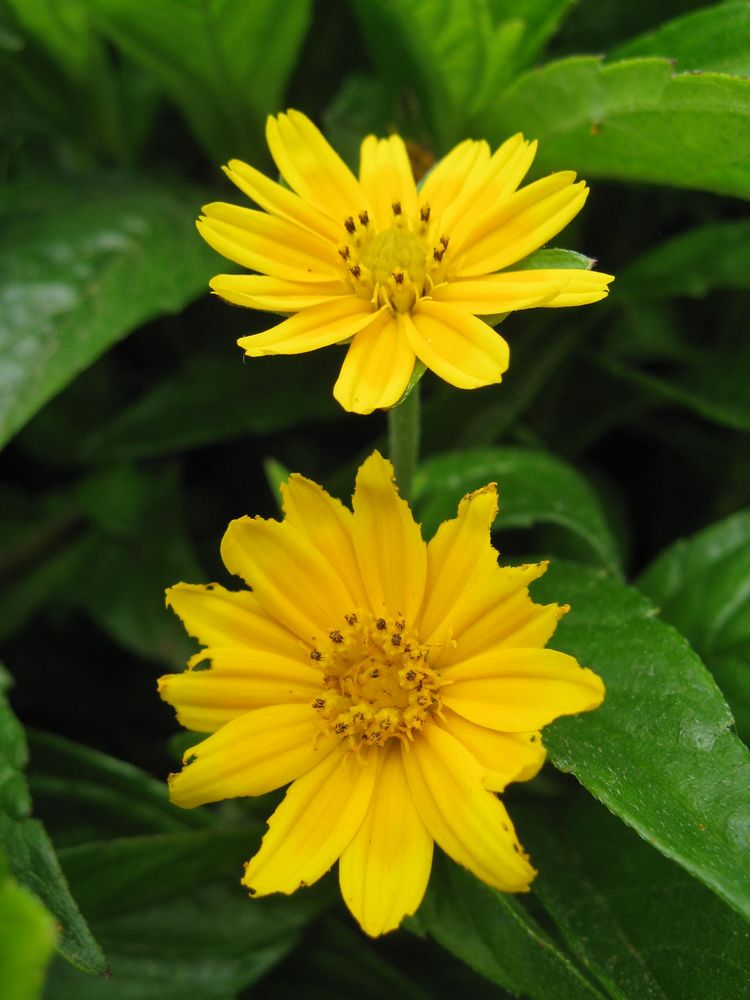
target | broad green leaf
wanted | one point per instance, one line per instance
(225, 63)
(141, 526)
(714, 385)
(81, 265)
(174, 918)
(335, 960)
(633, 120)
(715, 39)
(27, 941)
(83, 794)
(31, 857)
(216, 398)
(494, 934)
(700, 586)
(660, 752)
(638, 922)
(540, 19)
(534, 487)
(715, 255)
(447, 51)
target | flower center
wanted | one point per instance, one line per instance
(396, 250)
(398, 265)
(378, 681)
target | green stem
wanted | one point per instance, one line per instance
(403, 440)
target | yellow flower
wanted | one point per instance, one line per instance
(402, 273)
(397, 685)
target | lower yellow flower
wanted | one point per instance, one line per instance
(401, 272)
(397, 685)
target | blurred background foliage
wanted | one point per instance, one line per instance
(134, 433)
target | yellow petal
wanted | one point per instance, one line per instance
(315, 823)
(255, 291)
(278, 200)
(253, 754)
(579, 288)
(386, 177)
(445, 183)
(327, 524)
(524, 222)
(312, 168)
(457, 556)
(385, 869)
(504, 293)
(517, 690)
(377, 367)
(292, 580)
(486, 186)
(456, 346)
(505, 757)
(469, 822)
(237, 681)
(391, 553)
(318, 326)
(268, 244)
(219, 617)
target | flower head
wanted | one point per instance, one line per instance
(400, 272)
(397, 685)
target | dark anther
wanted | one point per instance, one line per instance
(438, 254)
(380, 624)
(398, 277)
(396, 206)
(319, 703)
(351, 619)
(335, 636)
(364, 218)
(444, 241)
(395, 639)
(401, 624)
(340, 727)
(350, 225)
(375, 673)
(410, 675)
(424, 213)
(355, 271)
(345, 253)
(316, 655)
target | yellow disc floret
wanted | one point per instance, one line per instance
(378, 681)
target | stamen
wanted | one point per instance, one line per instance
(424, 212)
(356, 271)
(345, 252)
(396, 207)
(398, 277)
(350, 225)
(364, 218)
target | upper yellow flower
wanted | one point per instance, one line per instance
(397, 685)
(404, 272)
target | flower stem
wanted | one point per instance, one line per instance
(403, 440)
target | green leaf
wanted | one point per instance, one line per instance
(716, 255)
(713, 39)
(30, 854)
(633, 120)
(700, 586)
(534, 487)
(27, 941)
(174, 918)
(554, 257)
(84, 794)
(659, 752)
(493, 933)
(225, 63)
(637, 921)
(216, 398)
(82, 264)
(141, 527)
(714, 385)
